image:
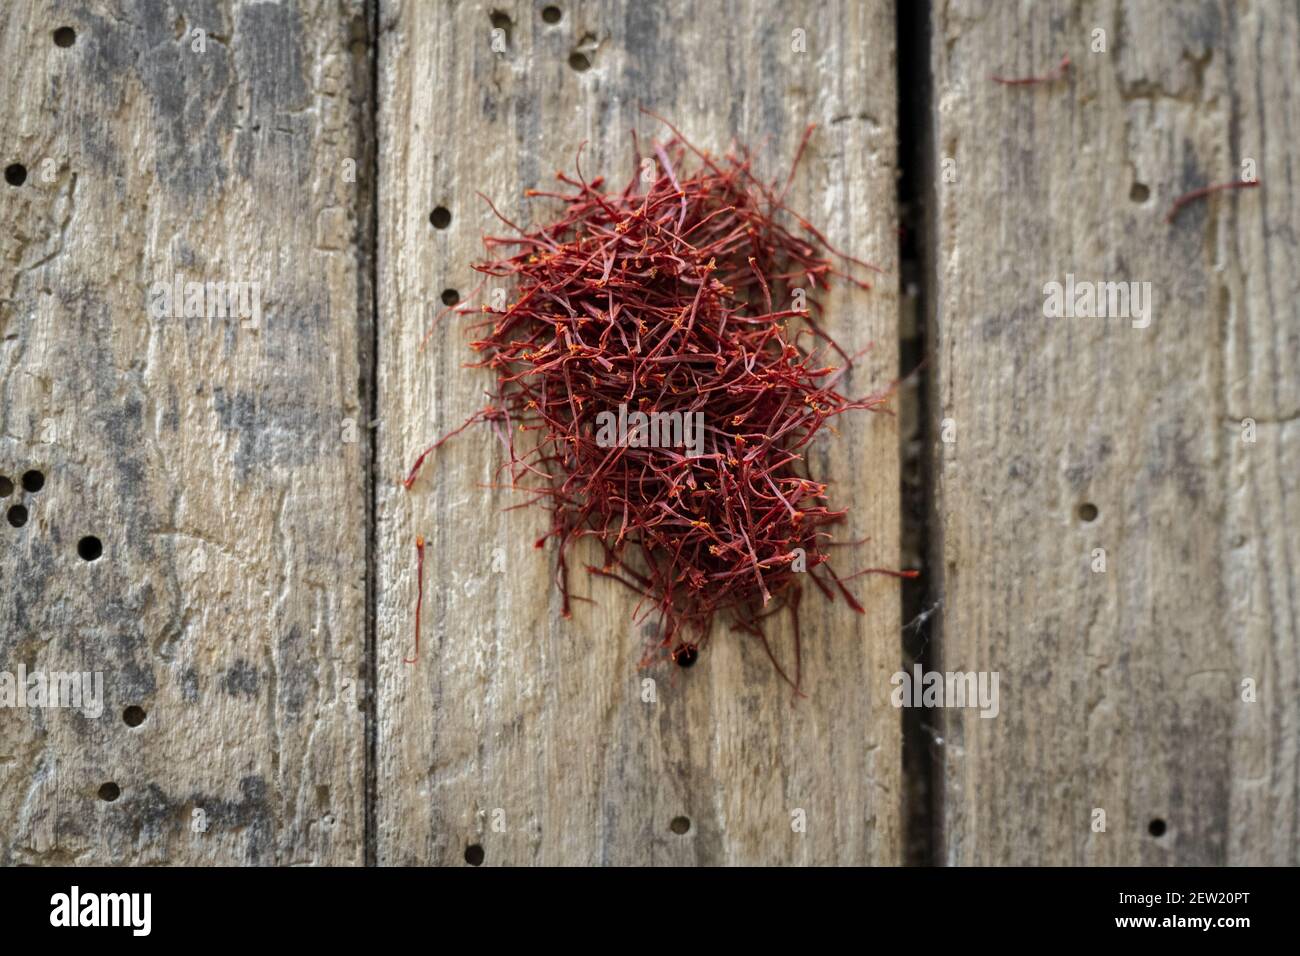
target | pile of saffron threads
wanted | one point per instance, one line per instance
(673, 296)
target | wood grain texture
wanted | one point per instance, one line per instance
(213, 457)
(521, 732)
(1121, 690)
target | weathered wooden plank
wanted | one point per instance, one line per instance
(1121, 690)
(517, 732)
(215, 458)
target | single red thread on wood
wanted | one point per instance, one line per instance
(667, 298)
(1051, 77)
(419, 595)
(1204, 191)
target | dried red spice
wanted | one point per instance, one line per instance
(1204, 191)
(1052, 77)
(668, 298)
(419, 595)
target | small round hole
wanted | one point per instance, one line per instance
(685, 655)
(65, 36)
(474, 855)
(579, 62)
(440, 217)
(17, 516)
(6, 487)
(133, 716)
(1139, 192)
(1157, 827)
(109, 792)
(501, 27)
(1087, 512)
(680, 825)
(450, 296)
(90, 548)
(551, 14)
(15, 174)
(33, 481)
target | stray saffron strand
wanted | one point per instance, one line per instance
(419, 595)
(1051, 77)
(1204, 191)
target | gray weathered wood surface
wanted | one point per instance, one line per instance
(1122, 690)
(517, 731)
(213, 458)
(252, 572)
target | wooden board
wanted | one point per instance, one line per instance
(221, 461)
(523, 734)
(1121, 690)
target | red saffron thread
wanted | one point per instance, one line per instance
(419, 595)
(1204, 191)
(1051, 77)
(666, 298)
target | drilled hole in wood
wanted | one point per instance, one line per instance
(551, 14)
(133, 716)
(579, 61)
(440, 218)
(6, 486)
(15, 174)
(1088, 512)
(450, 296)
(65, 36)
(109, 792)
(1157, 827)
(33, 481)
(17, 516)
(1139, 192)
(90, 548)
(474, 855)
(502, 22)
(680, 825)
